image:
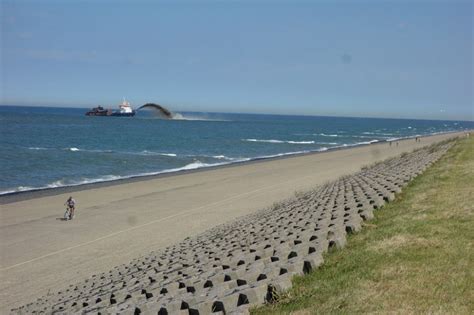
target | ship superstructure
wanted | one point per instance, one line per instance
(125, 110)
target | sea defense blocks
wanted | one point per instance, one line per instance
(247, 262)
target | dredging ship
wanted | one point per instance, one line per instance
(125, 110)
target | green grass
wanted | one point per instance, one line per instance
(415, 257)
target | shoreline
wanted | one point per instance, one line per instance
(117, 223)
(283, 230)
(40, 192)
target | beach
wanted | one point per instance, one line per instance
(119, 222)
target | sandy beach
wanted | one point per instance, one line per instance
(116, 223)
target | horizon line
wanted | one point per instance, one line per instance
(260, 113)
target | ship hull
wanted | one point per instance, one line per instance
(123, 114)
(93, 113)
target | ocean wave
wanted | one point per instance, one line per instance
(222, 157)
(278, 141)
(143, 152)
(300, 142)
(267, 141)
(326, 135)
(38, 148)
(192, 166)
(367, 142)
(368, 137)
(355, 144)
(328, 143)
(288, 153)
(75, 149)
(278, 155)
(217, 157)
(146, 152)
(378, 133)
(393, 139)
(18, 189)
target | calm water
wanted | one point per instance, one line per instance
(52, 147)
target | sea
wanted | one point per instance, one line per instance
(46, 147)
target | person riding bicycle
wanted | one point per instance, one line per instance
(71, 205)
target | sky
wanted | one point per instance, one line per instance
(396, 59)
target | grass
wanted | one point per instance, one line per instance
(415, 257)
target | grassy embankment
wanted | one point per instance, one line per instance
(416, 256)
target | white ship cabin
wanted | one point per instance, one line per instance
(125, 107)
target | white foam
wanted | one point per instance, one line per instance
(194, 165)
(376, 134)
(393, 139)
(191, 166)
(369, 137)
(366, 142)
(222, 157)
(146, 152)
(328, 143)
(278, 141)
(300, 142)
(262, 140)
(72, 149)
(75, 149)
(38, 148)
(326, 135)
(279, 154)
(18, 189)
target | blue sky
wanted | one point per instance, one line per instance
(395, 59)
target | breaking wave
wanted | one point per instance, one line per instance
(38, 148)
(278, 141)
(326, 135)
(146, 152)
(367, 142)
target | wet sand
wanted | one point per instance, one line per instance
(119, 222)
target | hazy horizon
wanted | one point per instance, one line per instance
(85, 108)
(363, 59)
